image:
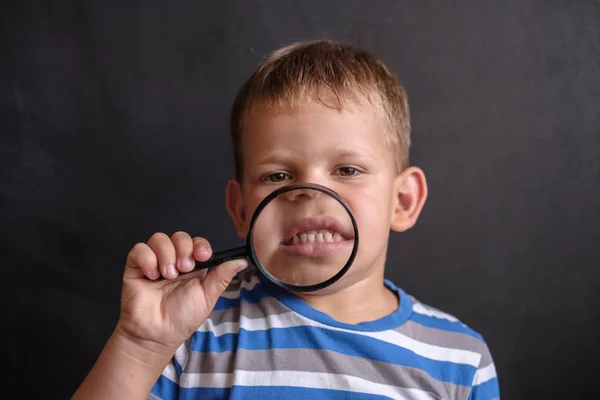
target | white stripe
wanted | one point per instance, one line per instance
(291, 319)
(421, 309)
(170, 372)
(317, 380)
(182, 354)
(234, 294)
(439, 353)
(484, 374)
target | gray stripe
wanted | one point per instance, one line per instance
(486, 357)
(323, 361)
(267, 306)
(440, 337)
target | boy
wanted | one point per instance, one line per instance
(324, 113)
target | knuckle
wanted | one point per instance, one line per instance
(137, 251)
(200, 241)
(222, 282)
(157, 237)
(141, 255)
(182, 242)
(137, 248)
(147, 259)
(161, 245)
(180, 235)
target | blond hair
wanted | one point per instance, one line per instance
(324, 69)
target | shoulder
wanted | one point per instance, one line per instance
(433, 317)
(441, 328)
(462, 344)
(431, 322)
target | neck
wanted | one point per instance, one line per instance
(364, 300)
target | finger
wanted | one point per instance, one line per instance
(198, 274)
(141, 261)
(219, 278)
(163, 247)
(202, 249)
(184, 248)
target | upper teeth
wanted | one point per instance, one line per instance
(320, 236)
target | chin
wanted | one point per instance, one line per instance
(349, 279)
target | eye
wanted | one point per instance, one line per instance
(348, 171)
(275, 177)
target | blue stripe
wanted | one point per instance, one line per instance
(444, 324)
(164, 388)
(274, 392)
(342, 342)
(486, 391)
(205, 393)
(177, 366)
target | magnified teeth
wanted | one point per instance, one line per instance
(321, 236)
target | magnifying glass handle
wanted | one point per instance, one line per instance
(222, 256)
(219, 258)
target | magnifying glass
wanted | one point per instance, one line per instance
(301, 237)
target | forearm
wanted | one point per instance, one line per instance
(124, 370)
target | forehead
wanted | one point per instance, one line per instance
(312, 130)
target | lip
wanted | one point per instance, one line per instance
(316, 250)
(317, 223)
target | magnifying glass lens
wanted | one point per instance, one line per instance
(303, 238)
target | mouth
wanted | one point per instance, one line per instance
(323, 229)
(317, 237)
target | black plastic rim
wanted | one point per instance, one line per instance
(287, 286)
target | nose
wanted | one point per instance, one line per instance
(303, 194)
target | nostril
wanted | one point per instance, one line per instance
(301, 194)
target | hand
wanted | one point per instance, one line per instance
(160, 315)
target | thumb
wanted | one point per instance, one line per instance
(219, 278)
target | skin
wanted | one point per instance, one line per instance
(342, 150)
(346, 152)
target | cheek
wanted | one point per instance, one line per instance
(266, 237)
(373, 217)
(265, 223)
(249, 208)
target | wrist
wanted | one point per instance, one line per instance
(146, 352)
(127, 368)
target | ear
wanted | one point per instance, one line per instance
(235, 207)
(410, 193)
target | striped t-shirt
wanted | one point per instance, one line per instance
(261, 342)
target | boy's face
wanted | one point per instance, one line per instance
(342, 150)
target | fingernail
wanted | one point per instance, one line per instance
(154, 274)
(187, 262)
(171, 270)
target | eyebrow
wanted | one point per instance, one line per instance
(343, 153)
(275, 159)
(352, 154)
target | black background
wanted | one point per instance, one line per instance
(114, 118)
